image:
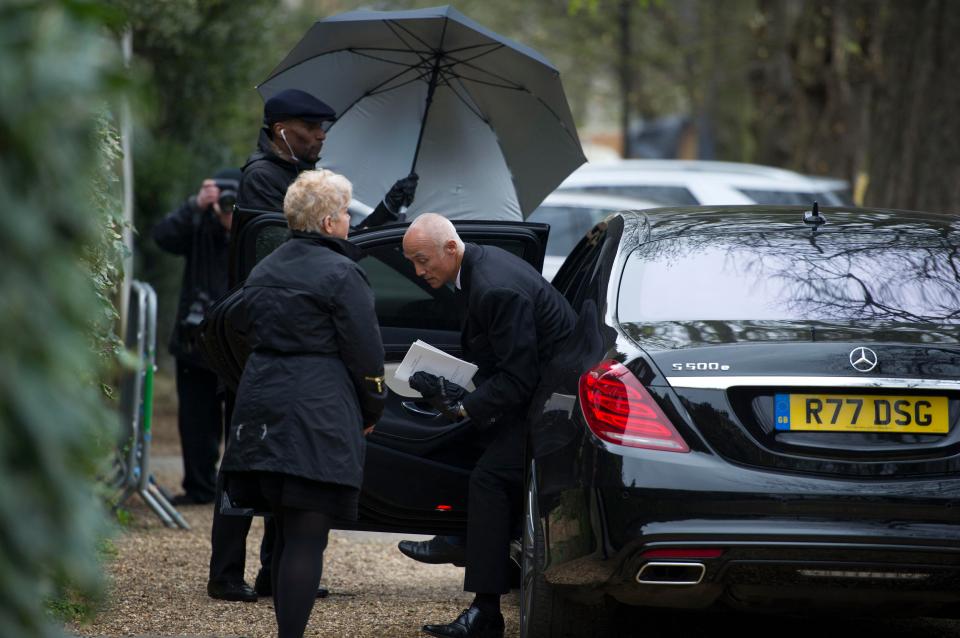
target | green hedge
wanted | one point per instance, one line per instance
(59, 266)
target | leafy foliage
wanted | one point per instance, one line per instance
(202, 59)
(60, 251)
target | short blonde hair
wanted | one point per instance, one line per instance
(315, 195)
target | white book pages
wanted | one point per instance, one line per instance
(423, 356)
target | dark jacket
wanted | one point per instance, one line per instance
(266, 177)
(311, 382)
(516, 322)
(200, 237)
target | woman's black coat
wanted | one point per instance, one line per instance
(313, 380)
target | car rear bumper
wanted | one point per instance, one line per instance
(784, 565)
(786, 542)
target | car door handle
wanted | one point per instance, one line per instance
(413, 408)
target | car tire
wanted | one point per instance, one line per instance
(544, 611)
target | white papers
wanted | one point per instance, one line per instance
(423, 356)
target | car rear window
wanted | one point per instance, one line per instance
(798, 276)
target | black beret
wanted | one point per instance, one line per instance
(294, 103)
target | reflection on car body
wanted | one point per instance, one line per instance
(729, 445)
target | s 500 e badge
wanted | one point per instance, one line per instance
(700, 366)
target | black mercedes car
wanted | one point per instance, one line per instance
(758, 410)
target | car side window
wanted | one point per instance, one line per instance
(403, 300)
(583, 266)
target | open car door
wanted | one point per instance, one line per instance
(417, 464)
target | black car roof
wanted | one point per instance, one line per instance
(661, 223)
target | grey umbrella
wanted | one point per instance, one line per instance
(482, 119)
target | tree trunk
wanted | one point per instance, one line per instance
(915, 142)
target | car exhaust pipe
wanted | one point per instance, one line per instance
(660, 573)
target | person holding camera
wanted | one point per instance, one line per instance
(199, 231)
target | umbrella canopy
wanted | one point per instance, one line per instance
(482, 119)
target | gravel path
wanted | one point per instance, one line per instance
(158, 578)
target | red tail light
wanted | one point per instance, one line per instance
(620, 410)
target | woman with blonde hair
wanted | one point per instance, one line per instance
(311, 389)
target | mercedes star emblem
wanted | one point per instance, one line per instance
(863, 359)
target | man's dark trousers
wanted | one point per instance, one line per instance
(495, 504)
(228, 543)
(228, 535)
(200, 421)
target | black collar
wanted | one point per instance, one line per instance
(342, 246)
(471, 254)
(265, 151)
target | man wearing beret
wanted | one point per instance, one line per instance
(294, 128)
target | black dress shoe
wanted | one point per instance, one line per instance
(187, 499)
(264, 587)
(435, 551)
(235, 590)
(472, 623)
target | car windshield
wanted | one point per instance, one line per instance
(795, 276)
(568, 225)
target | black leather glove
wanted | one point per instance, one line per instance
(443, 395)
(401, 193)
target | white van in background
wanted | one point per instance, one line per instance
(693, 182)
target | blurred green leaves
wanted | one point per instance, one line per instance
(59, 252)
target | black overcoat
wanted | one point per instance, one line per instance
(516, 322)
(314, 377)
(197, 235)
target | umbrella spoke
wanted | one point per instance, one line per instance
(496, 46)
(543, 103)
(507, 83)
(424, 72)
(509, 87)
(435, 50)
(472, 107)
(375, 89)
(363, 53)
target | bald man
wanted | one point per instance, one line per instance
(516, 323)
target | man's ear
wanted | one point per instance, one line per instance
(450, 247)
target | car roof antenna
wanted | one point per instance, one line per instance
(813, 217)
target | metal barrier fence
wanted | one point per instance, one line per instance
(132, 466)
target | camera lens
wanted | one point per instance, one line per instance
(227, 200)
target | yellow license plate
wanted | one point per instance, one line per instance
(862, 413)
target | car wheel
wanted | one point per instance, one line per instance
(544, 612)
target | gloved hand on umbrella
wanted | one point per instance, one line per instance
(401, 193)
(388, 211)
(443, 395)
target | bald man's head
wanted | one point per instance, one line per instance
(435, 248)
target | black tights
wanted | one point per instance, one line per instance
(296, 567)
